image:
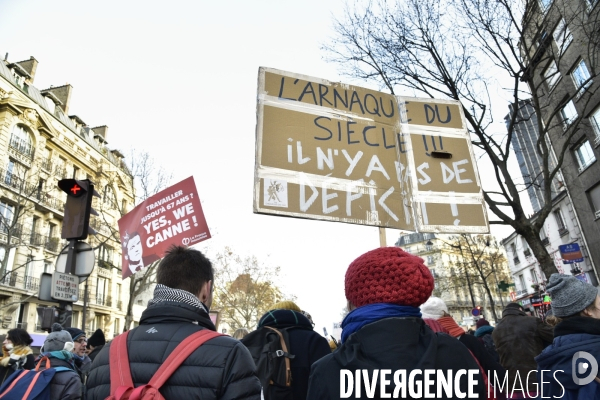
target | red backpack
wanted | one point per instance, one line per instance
(121, 384)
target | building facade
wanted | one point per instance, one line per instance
(559, 229)
(560, 50)
(457, 279)
(40, 143)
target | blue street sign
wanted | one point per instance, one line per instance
(570, 253)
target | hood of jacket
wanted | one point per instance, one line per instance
(171, 311)
(374, 340)
(284, 319)
(511, 311)
(571, 335)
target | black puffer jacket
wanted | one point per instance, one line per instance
(65, 385)
(306, 345)
(519, 339)
(392, 344)
(221, 368)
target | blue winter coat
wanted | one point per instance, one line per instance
(556, 361)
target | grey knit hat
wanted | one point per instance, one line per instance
(57, 340)
(570, 295)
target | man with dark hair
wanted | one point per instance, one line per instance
(222, 368)
(520, 338)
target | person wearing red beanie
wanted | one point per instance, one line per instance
(384, 330)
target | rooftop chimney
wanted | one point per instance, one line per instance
(30, 66)
(64, 95)
(100, 132)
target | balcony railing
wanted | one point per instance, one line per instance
(35, 239)
(53, 244)
(46, 164)
(47, 200)
(103, 300)
(516, 260)
(31, 283)
(26, 189)
(21, 146)
(81, 295)
(9, 280)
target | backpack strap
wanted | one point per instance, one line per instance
(286, 357)
(37, 373)
(63, 369)
(179, 355)
(120, 373)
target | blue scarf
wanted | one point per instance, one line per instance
(60, 354)
(364, 315)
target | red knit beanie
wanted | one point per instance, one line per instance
(388, 275)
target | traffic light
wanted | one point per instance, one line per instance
(46, 317)
(76, 223)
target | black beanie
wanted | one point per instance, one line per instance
(97, 339)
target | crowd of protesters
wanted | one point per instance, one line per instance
(395, 330)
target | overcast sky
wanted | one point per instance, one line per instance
(178, 79)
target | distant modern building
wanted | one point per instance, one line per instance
(524, 144)
(41, 143)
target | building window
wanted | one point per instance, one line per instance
(543, 236)
(581, 76)
(594, 196)
(513, 249)
(585, 155)
(534, 278)
(104, 257)
(430, 260)
(522, 282)
(7, 213)
(109, 197)
(562, 36)
(595, 122)
(406, 239)
(101, 291)
(20, 140)
(526, 250)
(569, 113)
(551, 75)
(591, 3)
(545, 5)
(560, 222)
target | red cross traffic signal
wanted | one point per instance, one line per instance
(76, 222)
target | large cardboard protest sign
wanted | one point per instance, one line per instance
(338, 152)
(172, 216)
(445, 185)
